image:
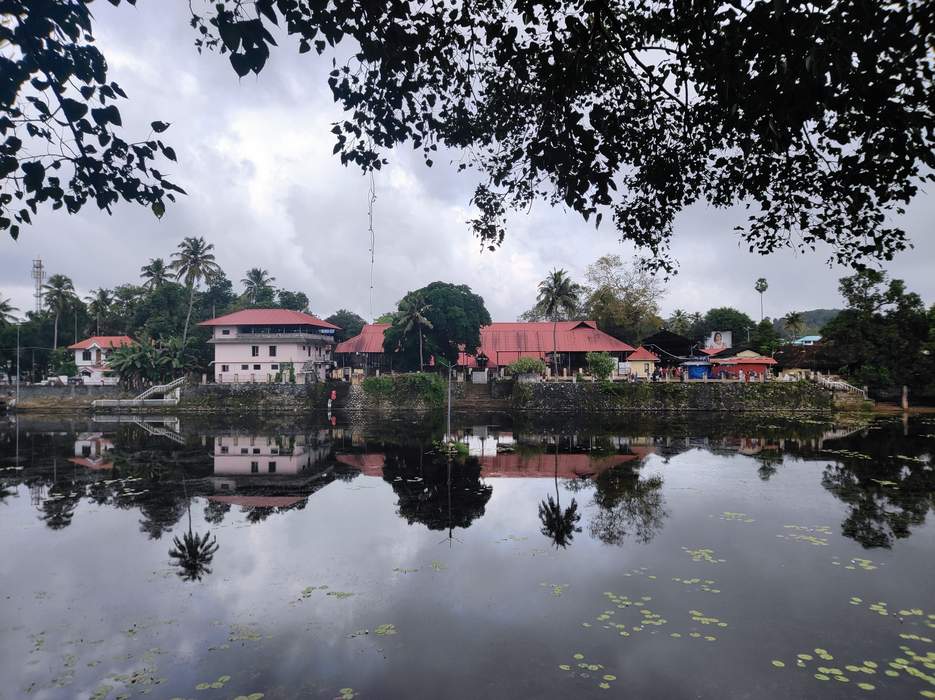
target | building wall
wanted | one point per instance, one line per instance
(98, 357)
(231, 358)
(642, 369)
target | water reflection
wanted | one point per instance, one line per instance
(882, 473)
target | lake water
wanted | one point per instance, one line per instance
(665, 557)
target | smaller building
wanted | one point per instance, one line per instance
(91, 358)
(696, 368)
(807, 340)
(642, 363)
(746, 364)
(365, 351)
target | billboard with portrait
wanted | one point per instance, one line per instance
(719, 340)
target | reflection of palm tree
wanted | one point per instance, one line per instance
(559, 525)
(193, 553)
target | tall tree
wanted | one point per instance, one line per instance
(623, 299)
(59, 294)
(411, 317)
(456, 315)
(297, 301)
(726, 318)
(6, 312)
(193, 262)
(99, 303)
(557, 295)
(679, 322)
(155, 273)
(761, 286)
(257, 282)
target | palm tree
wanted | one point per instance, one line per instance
(761, 286)
(193, 553)
(6, 312)
(793, 322)
(59, 293)
(257, 281)
(410, 317)
(679, 322)
(557, 295)
(155, 274)
(193, 262)
(99, 303)
(559, 525)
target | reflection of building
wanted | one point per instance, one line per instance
(92, 450)
(91, 357)
(265, 471)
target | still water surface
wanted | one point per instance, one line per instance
(663, 558)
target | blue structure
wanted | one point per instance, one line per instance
(697, 369)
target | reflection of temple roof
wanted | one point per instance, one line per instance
(259, 501)
(369, 464)
(570, 466)
(91, 463)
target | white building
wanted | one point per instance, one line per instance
(270, 345)
(91, 358)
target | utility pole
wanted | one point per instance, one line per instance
(18, 324)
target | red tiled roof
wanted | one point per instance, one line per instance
(258, 501)
(744, 360)
(268, 317)
(369, 340)
(643, 355)
(369, 464)
(103, 341)
(91, 464)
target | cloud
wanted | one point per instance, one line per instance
(255, 155)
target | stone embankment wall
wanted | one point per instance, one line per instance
(260, 398)
(60, 398)
(604, 397)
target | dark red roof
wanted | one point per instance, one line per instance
(268, 317)
(259, 501)
(643, 355)
(504, 343)
(369, 340)
(103, 341)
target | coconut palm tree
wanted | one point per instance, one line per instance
(793, 322)
(59, 294)
(155, 273)
(6, 312)
(679, 322)
(558, 295)
(410, 317)
(256, 282)
(99, 303)
(193, 262)
(761, 286)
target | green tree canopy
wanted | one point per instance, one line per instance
(456, 315)
(636, 110)
(350, 323)
(623, 299)
(726, 318)
(764, 338)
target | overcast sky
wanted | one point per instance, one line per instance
(255, 157)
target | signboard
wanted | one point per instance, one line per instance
(719, 340)
(623, 368)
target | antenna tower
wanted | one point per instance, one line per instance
(38, 275)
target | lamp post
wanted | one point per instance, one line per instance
(18, 323)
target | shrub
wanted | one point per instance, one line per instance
(600, 364)
(526, 365)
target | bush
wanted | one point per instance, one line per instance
(404, 388)
(600, 364)
(526, 365)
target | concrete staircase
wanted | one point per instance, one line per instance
(477, 399)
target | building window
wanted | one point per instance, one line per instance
(86, 356)
(244, 366)
(256, 450)
(254, 467)
(243, 451)
(226, 331)
(224, 449)
(254, 351)
(272, 351)
(274, 366)
(256, 367)
(272, 467)
(225, 368)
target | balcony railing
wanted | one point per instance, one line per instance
(259, 337)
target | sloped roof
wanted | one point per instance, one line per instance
(259, 501)
(643, 355)
(370, 339)
(105, 342)
(268, 317)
